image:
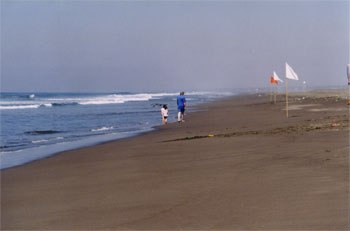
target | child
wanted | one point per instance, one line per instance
(164, 112)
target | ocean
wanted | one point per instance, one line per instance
(37, 125)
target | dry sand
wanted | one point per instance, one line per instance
(260, 171)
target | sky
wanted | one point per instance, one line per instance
(159, 46)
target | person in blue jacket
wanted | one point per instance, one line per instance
(181, 106)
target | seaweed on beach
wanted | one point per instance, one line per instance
(282, 130)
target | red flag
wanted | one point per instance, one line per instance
(272, 80)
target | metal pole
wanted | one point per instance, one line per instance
(270, 92)
(287, 97)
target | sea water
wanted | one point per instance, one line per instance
(37, 125)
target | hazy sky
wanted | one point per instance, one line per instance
(99, 46)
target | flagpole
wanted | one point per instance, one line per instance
(348, 72)
(270, 92)
(275, 91)
(287, 97)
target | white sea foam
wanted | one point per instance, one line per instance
(99, 100)
(19, 107)
(102, 129)
(39, 141)
(46, 140)
(6, 152)
(115, 98)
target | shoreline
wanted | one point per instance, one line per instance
(259, 170)
(44, 151)
(18, 158)
(74, 145)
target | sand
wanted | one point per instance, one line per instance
(260, 171)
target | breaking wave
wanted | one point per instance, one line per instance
(19, 107)
(42, 102)
(46, 140)
(101, 129)
(73, 101)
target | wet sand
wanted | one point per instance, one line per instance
(260, 171)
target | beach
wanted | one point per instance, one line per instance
(235, 164)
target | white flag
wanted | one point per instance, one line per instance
(290, 74)
(275, 77)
